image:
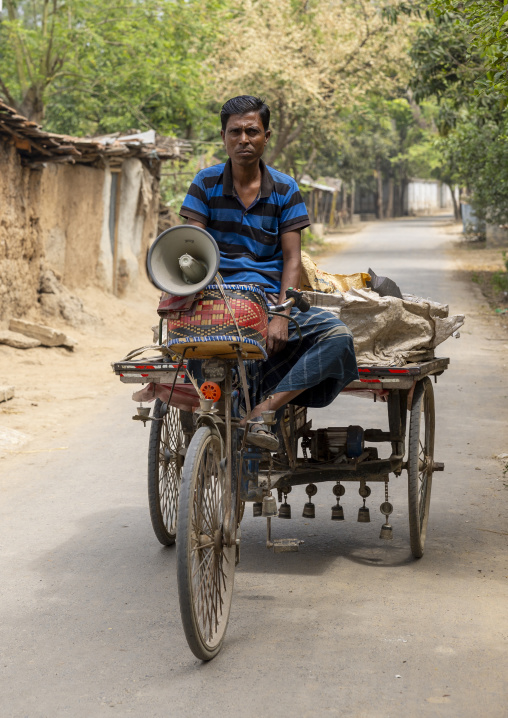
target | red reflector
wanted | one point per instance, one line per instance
(364, 371)
(121, 374)
(144, 374)
(371, 381)
(398, 371)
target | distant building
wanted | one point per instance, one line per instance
(426, 197)
(332, 203)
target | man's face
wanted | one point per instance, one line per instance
(245, 138)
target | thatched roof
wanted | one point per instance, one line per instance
(37, 146)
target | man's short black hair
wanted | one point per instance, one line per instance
(241, 105)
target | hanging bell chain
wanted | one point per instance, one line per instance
(338, 490)
(311, 490)
(386, 508)
(269, 503)
(285, 508)
(364, 490)
(337, 510)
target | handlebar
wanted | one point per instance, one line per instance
(293, 298)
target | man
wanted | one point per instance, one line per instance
(256, 215)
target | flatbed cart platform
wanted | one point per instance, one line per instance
(337, 454)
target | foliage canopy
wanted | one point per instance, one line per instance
(367, 90)
(85, 66)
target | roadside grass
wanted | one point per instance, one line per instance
(500, 279)
(493, 284)
(494, 287)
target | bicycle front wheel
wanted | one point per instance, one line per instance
(205, 566)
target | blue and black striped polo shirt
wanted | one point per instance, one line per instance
(249, 238)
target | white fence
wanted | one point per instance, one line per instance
(427, 196)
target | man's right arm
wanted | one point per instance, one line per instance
(195, 208)
(195, 223)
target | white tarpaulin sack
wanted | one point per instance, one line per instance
(389, 331)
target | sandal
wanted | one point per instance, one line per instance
(259, 434)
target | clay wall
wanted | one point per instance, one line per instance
(20, 245)
(70, 209)
(137, 223)
(61, 216)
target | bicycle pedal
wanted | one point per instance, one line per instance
(144, 419)
(286, 545)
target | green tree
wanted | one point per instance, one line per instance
(380, 142)
(310, 59)
(89, 66)
(487, 24)
(453, 56)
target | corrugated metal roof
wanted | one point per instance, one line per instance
(35, 145)
(333, 184)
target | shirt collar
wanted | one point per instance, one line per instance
(266, 181)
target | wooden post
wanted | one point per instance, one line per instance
(379, 176)
(118, 173)
(353, 198)
(389, 208)
(331, 222)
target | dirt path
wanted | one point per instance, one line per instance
(56, 389)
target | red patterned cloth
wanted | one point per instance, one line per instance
(184, 395)
(173, 305)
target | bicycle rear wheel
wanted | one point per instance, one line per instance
(420, 463)
(165, 461)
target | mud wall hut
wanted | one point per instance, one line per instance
(86, 209)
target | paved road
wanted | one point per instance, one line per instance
(90, 625)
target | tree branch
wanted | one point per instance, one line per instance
(50, 40)
(308, 164)
(11, 12)
(10, 99)
(285, 138)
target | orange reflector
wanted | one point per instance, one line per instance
(211, 390)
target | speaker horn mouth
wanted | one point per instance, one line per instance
(163, 260)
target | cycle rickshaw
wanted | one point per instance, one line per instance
(201, 472)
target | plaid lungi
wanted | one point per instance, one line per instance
(322, 365)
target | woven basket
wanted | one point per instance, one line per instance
(208, 330)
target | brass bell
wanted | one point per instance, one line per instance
(337, 513)
(363, 515)
(386, 532)
(285, 511)
(309, 510)
(269, 509)
(257, 508)
(337, 510)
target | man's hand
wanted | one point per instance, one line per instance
(277, 338)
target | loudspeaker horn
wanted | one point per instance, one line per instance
(183, 260)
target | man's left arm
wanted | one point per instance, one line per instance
(278, 328)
